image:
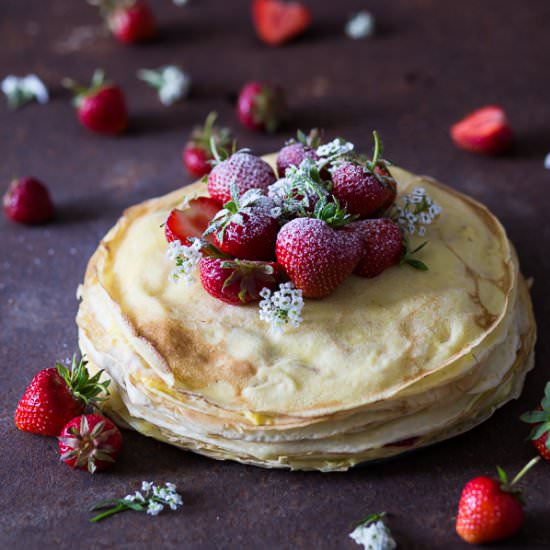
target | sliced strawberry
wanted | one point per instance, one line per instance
(238, 282)
(484, 131)
(192, 221)
(277, 22)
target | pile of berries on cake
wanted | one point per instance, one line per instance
(330, 213)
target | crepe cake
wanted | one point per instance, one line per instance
(379, 367)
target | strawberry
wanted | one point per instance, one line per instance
(364, 190)
(245, 170)
(131, 21)
(90, 442)
(238, 282)
(245, 228)
(540, 418)
(192, 221)
(296, 150)
(490, 509)
(27, 200)
(102, 107)
(56, 395)
(261, 106)
(278, 22)
(198, 151)
(484, 131)
(383, 245)
(316, 256)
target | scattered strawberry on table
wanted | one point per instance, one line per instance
(484, 131)
(198, 154)
(90, 442)
(261, 106)
(491, 509)
(331, 213)
(28, 200)
(56, 395)
(540, 418)
(277, 22)
(130, 21)
(100, 108)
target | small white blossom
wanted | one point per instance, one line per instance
(146, 486)
(187, 259)
(180, 2)
(334, 149)
(374, 536)
(282, 307)
(154, 508)
(547, 162)
(22, 90)
(361, 25)
(417, 211)
(171, 82)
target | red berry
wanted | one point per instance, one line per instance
(292, 155)
(196, 160)
(542, 445)
(277, 22)
(540, 420)
(27, 200)
(245, 170)
(253, 239)
(484, 131)
(261, 106)
(317, 257)
(382, 245)
(191, 221)
(56, 395)
(132, 22)
(238, 282)
(360, 191)
(90, 442)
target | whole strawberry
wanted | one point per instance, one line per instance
(90, 442)
(540, 418)
(261, 106)
(278, 22)
(190, 221)
(245, 170)
(238, 282)
(296, 150)
(316, 256)
(364, 190)
(55, 396)
(490, 509)
(27, 200)
(130, 21)
(383, 245)
(484, 131)
(101, 108)
(245, 227)
(198, 154)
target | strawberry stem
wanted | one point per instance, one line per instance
(525, 469)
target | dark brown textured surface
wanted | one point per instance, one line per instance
(432, 62)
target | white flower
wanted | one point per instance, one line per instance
(187, 259)
(171, 82)
(146, 486)
(334, 149)
(22, 90)
(374, 536)
(418, 211)
(180, 2)
(547, 162)
(154, 508)
(361, 25)
(282, 307)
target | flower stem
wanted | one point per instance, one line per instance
(119, 508)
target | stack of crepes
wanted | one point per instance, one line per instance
(380, 367)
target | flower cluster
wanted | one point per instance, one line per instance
(22, 90)
(282, 307)
(332, 151)
(187, 259)
(373, 534)
(418, 211)
(152, 499)
(170, 81)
